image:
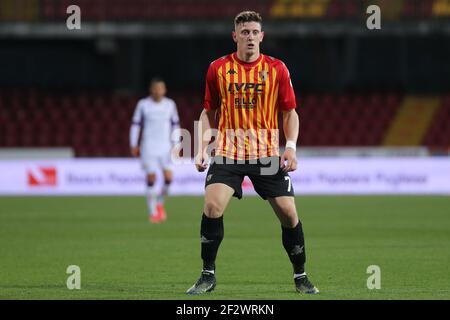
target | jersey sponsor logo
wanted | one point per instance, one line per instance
(42, 176)
(246, 103)
(245, 87)
(231, 71)
(245, 94)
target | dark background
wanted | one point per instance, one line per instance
(412, 63)
(79, 88)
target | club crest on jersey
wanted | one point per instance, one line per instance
(263, 75)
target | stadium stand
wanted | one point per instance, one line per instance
(346, 119)
(157, 9)
(96, 124)
(117, 10)
(19, 10)
(441, 8)
(438, 135)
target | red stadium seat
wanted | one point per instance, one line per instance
(98, 124)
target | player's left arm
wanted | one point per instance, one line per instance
(287, 104)
(291, 128)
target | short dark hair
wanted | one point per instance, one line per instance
(155, 80)
(247, 16)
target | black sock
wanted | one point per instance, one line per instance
(211, 235)
(294, 244)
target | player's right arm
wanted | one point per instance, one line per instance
(287, 104)
(207, 119)
(206, 123)
(135, 130)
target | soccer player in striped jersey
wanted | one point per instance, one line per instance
(158, 114)
(244, 93)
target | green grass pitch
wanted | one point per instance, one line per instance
(122, 256)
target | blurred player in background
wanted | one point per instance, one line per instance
(159, 116)
(249, 89)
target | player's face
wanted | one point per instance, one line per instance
(248, 36)
(158, 90)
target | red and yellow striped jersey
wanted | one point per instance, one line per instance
(248, 97)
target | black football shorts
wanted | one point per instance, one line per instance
(266, 176)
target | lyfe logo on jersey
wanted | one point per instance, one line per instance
(245, 94)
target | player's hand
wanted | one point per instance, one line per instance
(135, 152)
(289, 160)
(201, 161)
